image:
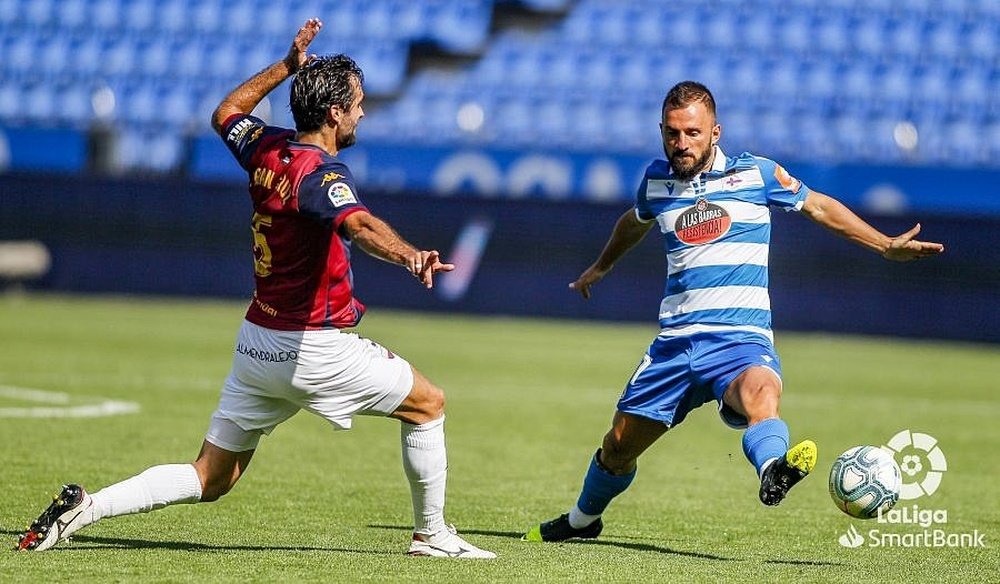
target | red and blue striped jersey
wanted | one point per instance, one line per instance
(301, 196)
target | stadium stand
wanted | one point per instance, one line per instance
(837, 81)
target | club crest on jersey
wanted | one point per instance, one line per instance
(340, 194)
(702, 223)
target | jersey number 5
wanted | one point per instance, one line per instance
(261, 251)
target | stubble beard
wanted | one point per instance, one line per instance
(347, 141)
(688, 171)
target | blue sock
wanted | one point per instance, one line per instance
(764, 441)
(599, 487)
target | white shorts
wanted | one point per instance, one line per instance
(328, 372)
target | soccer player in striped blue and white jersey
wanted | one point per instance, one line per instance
(715, 341)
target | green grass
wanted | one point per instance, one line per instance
(528, 401)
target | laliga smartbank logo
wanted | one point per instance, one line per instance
(922, 464)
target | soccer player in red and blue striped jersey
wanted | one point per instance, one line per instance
(292, 352)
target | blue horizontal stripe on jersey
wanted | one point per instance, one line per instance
(721, 316)
(738, 233)
(715, 276)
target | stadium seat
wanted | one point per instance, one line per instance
(593, 79)
(149, 151)
(141, 16)
(10, 103)
(10, 13)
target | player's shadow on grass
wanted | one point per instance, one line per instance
(87, 542)
(639, 547)
(803, 562)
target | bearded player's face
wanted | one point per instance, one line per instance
(348, 127)
(689, 137)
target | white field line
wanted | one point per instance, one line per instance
(57, 405)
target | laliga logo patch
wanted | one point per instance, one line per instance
(702, 223)
(340, 194)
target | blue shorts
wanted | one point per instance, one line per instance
(678, 374)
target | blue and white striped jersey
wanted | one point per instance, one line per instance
(717, 231)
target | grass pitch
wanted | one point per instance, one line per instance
(528, 401)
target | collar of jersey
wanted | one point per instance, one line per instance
(304, 145)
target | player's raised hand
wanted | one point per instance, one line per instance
(588, 278)
(425, 264)
(297, 53)
(904, 248)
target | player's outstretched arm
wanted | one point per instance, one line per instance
(380, 240)
(627, 233)
(248, 94)
(836, 217)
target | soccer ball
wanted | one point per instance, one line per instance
(865, 481)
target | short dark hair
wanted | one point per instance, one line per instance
(321, 83)
(686, 93)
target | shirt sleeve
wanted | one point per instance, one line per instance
(782, 190)
(328, 194)
(242, 134)
(642, 211)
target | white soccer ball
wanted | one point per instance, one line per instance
(865, 481)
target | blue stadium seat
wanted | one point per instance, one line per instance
(105, 15)
(240, 19)
(141, 16)
(74, 109)
(981, 41)
(155, 58)
(20, 57)
(593, 80)
(906, 39)
(39, 13)
(175, 107)
(462, 28)
(170, 15)
(40, 103)
(149, 150)
(9, 13)
(971, 93)
(73, 15)
(944, 39)
(207, 17)
(11, 101)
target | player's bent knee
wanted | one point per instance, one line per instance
(424, 404)
(430, 401)
(216, 485)
(211, 493)
(614, 457)
(760, 393)
(435, 402)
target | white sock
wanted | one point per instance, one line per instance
(154, 488)
(425, 462)
(578, 519)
